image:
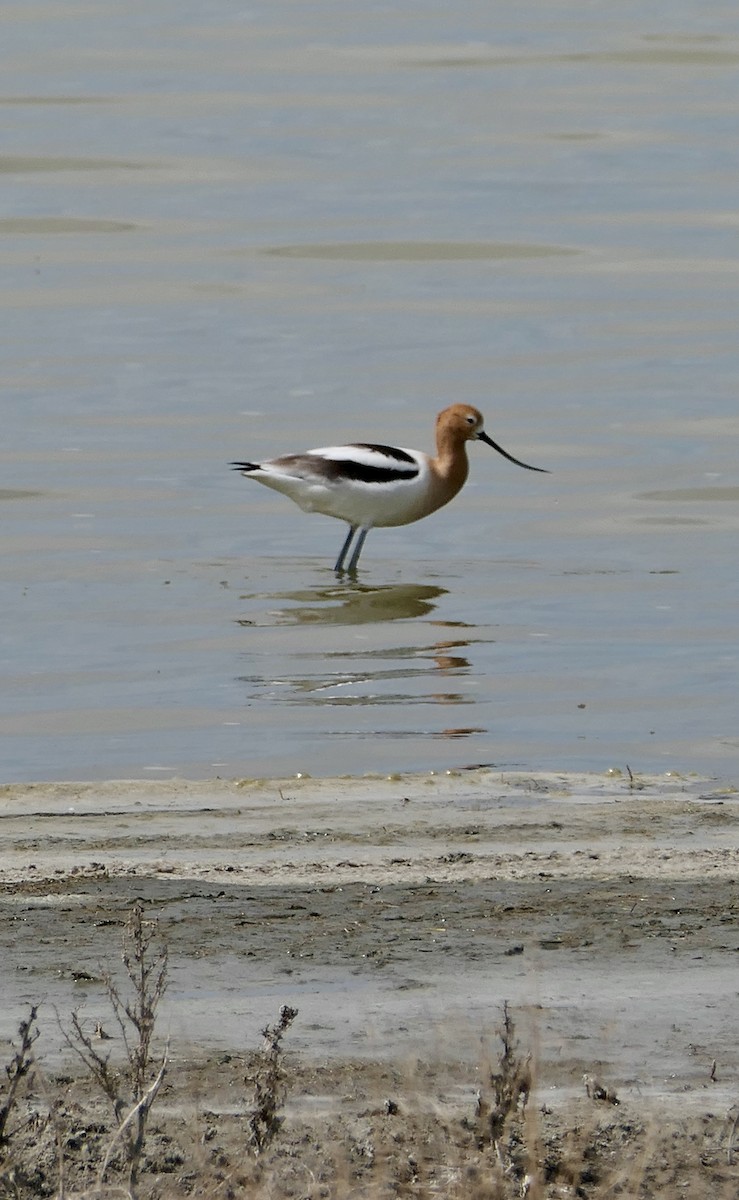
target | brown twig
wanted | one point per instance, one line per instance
(19, 1067)
(265, 1122)
(130, 1090)
(142, 1106)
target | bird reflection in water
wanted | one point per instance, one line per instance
(446, 661)
(368, 674)
(355, 605)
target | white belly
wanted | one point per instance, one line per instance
(366, 505)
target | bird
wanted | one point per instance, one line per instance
(369, 485)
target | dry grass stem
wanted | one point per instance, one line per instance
(269, 1082)
(144, 1103)
(129, 1089)
(17, 1070)
(511, 1083)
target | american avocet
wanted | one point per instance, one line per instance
(368, 485)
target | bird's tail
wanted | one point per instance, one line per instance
(245, 467)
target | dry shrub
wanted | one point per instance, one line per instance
(18, 1073)
(132, 1087)
(501, 1100)
(269, 1082)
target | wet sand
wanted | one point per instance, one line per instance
(392, 911)
(397, 914)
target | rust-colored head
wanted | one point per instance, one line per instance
(462, 423)
(459, 423)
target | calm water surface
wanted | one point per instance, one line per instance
(233, 229)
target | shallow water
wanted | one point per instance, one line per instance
(253, 229)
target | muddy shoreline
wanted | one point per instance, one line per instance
(393, 911)
(397, 915)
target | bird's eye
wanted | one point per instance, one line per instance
(470, 420)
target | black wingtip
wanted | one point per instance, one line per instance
(244, 466)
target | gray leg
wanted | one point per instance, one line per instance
(357, 549)
(342, 553)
